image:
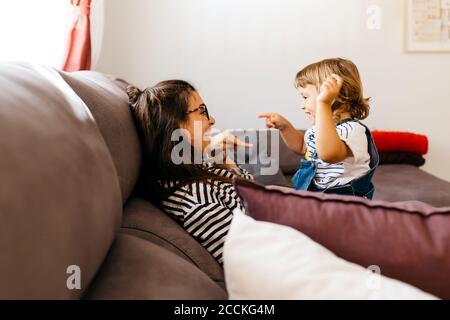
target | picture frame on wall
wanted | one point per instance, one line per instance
(427, 26)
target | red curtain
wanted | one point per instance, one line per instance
(78, 48)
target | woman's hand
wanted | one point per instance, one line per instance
(275, 120)
(330, 89)
(227, 139)
(222, 142)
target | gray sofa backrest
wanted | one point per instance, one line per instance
(60, 198)
(70, 159)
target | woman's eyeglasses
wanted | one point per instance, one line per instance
(203, 110)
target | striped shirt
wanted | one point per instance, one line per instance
(337, 174)
(204, 210)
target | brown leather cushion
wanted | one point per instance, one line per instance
(108, 102)
(139, 269)
(59, 193)
(142, 219)
(407, 241)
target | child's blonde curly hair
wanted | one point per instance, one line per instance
(350, 98)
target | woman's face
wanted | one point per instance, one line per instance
(198, 123)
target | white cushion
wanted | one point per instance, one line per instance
(264, 260)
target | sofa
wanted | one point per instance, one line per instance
(398, 180)
(74, 225)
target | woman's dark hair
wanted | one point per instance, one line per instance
(158, 111)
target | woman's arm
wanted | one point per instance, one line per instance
(243, 173)
(205, 213)
(330, 148)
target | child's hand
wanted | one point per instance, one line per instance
(329, 90)
(275, 120)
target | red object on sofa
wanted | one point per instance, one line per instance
(392, 141)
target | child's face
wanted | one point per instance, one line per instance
(308, 95)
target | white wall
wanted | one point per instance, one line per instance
(242, 55)
(34, 31)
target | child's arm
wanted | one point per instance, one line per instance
(293, 138)
(330, 148)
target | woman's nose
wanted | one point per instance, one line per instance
(212, 121)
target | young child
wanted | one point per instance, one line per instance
(340, 155)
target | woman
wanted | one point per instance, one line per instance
(199, 196)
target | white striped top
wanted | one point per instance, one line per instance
(337, 174)
(205, 210)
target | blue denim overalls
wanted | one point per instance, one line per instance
(361, 187)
